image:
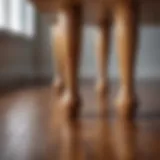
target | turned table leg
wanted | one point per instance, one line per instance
(102, 50)
(67, 43)
(126, 34)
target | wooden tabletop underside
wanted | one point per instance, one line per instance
(95, 10)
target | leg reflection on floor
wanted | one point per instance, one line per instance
(97, 140)
(33, 128)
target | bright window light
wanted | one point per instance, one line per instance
(2, 13)
(17, 16)
(30, 19)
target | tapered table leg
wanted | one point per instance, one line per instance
(126, 34)
(67, 40)
(58, 56)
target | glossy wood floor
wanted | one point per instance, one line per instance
(33, 128)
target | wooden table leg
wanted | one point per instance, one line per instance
(126, 34)
(102, 50)
(67, 40)
(58, 50)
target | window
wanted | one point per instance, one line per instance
(2, 13)
(17, 16)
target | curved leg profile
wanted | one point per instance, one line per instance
(126, 34)
(68, 41)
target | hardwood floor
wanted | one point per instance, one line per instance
(33, 128)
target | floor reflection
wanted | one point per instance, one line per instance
(23, 124)
(71, 147)
(32, 128)
(124, 139)
(97, 140)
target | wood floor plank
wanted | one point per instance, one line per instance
(33, 128)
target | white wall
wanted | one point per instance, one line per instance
(148, 59)
(20, 60)
(148, 51)
(26, 59)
